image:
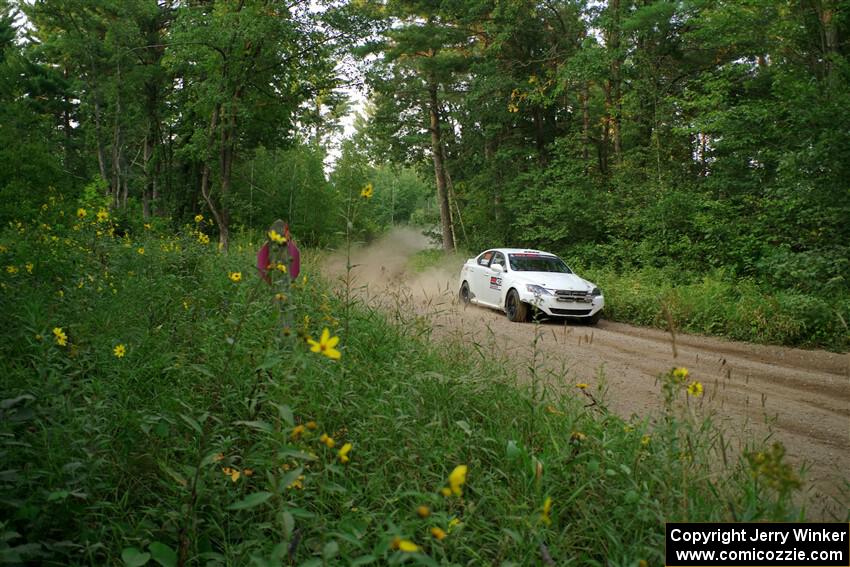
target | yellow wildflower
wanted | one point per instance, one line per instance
(446, 491)
(297, 483)
(578, 436)
(547, 508)
(453, 523)
(119, 351)
(644, 441)
(29, 266)
(327, 440)
(38, 337)
(141, 250)
(81, 213)
(457, 478)
(147, 226)
(281, 267)
(695, 389)
(248, 472)
(218, 457)
(311, 425)
(232, 473)
(680, 373)
(280, 297)
(235, 277)
(405, 545)
(367, 191)
(325, 345)
(102, 215)
(203, 238)
(199, 218)
(275, 237)
(343, 453)
(628, 428)
(60, 336)
(553, 410)
(581, 386)
(423, 511)
(11, 269)
(297, 431)
(438, 533)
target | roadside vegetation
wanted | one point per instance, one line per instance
(712, 304)
(164, 405)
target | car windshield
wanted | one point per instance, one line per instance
(537, 263)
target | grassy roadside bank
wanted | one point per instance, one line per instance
(711, 305)
(214, 436)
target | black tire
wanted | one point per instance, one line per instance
(464, 293)
(594, 319)
(516, 310)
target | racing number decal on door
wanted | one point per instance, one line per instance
(495, 283)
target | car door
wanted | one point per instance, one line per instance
(491, 292)
(478, 278)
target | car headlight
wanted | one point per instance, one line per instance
(537, 289)
(596, 292)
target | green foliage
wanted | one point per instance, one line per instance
(288, 184)
(200, 440)
(718, 304)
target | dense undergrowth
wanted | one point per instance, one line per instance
(716, 304)
(155, 410)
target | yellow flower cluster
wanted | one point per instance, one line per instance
(457, 478)
(276, 238)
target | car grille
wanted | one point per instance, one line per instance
(570, 312)
(570, 294)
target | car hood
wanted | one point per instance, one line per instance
(551, 280)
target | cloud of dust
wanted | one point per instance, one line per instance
(385, 264)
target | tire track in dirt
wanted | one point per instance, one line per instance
(756, 392)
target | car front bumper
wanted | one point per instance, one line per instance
(556, 307)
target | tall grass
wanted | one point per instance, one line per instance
(208, 441)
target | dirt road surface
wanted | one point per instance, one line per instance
(758, 392)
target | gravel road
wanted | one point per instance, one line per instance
(758, 392)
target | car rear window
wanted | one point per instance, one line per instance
(537, 263)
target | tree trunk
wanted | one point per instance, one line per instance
(147, 193)
(585, 123)
(612, 93)
(439, 168)
(606, 133)
(205, 170)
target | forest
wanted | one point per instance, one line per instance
(166, 400)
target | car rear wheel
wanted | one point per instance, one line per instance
(516, 310)
(464, 293)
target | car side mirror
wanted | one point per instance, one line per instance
(497, 268)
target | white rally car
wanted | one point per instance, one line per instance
(516, 281)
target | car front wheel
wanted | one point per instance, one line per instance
(464, 293)
(516, 310)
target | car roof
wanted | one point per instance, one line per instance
(519, 251)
